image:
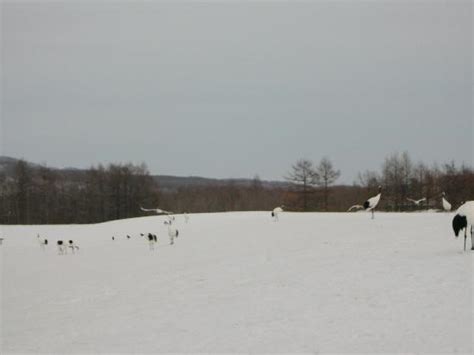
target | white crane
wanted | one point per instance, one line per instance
(464, 219)
(42, 241)
(276, 211)
(417, 202)
(445, 203)
(172, 233)
(368, 205)
(156, 210)
(372, 202)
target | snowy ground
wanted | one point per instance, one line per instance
(238, 282)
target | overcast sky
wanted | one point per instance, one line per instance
(235, 89)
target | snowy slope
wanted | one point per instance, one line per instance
(238, 282)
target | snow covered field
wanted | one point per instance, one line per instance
(238, 282)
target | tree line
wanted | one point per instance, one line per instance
(399, 177)
(41, 195)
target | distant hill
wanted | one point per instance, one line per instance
(168, 182)
(165, 182)
(8, 165)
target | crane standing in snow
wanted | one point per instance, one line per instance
(73, 246)
(276, 211)
(152, 240)
(172, 231)
(445, 203)
(42, 241)
(370, 204)
(464, 219)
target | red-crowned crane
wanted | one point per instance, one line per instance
(276, 211)
(445, 203)
(42, 241)
(156, 210)
(464, 219)
(172, 231)
(417, 202)
(372, 202)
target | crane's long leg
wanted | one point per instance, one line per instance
(465, 237)
(373, 213)
(472, 237)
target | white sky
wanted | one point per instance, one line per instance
(238, 88)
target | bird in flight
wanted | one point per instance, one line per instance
(156, 210)
(417, 202)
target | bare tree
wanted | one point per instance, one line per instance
(397, 172)
(369, 180)
(23, 191)
(407, 171)
(33, 194)
(325, 176)
(304, 177)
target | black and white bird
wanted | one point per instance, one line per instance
(158, 211)
(372, 202)
(276, 211)
(42, 241)
(417, 202)
(445, 203)
(73, 246)
(152, 240)
(368, 205)
(172, 233)
(171, 218)
(464, 219)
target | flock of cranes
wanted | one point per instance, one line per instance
(463, 219)
(372, 202)
(173, 233)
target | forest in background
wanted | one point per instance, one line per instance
(35, 194)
